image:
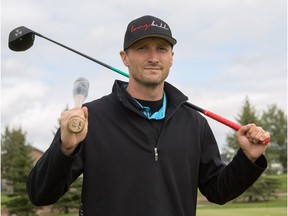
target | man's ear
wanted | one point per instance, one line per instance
(124, 58)
(171, 63)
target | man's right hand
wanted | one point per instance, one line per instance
(70, 140)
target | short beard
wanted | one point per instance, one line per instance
(150, 84)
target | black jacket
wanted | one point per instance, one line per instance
(120, 173)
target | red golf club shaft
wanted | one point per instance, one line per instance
(222, 120)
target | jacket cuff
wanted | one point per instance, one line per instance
(260, 163)
(59, 150)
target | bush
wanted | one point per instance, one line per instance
(262, 190)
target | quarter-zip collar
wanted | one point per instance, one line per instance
(174, 98)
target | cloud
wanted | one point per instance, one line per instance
(17, 96)
(226, 50)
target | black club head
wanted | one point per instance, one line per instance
(21, 39)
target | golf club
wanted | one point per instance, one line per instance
(22, 38)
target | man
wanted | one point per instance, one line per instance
(143, 151)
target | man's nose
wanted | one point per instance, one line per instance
(153, 56)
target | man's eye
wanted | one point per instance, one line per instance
(141, 48)
(163, 48)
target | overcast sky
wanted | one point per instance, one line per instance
(226, 50)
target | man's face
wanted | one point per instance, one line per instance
(148, 60)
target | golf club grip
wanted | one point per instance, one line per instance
(76, 124)
(228, 123)
(222, 120)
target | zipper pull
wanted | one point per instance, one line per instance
(156, 154)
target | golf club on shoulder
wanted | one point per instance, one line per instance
(22, 38)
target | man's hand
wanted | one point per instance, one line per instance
(250, 138)
(70, 140)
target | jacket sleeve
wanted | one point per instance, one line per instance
(221, 183)
(53, 173)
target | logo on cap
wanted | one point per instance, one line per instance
(146, 26)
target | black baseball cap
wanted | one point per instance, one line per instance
(147, 26)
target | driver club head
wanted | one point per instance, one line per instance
(21, 39)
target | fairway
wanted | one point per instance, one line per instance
(275, 211)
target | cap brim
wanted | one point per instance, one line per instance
(171, 40)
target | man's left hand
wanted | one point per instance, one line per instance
(250, 138)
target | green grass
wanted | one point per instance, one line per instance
(275, 211)
(283, 182)
(280, 201)
(275, 207)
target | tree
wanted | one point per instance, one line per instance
(275, 121)
(71, 200)
(16, 163)
(247, 115)
(262, 190)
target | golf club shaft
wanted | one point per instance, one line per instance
(205, 112)
(221, 119)
(216, 117)
(85, 56)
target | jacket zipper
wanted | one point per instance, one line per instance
(156, 153)
(156, 156)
